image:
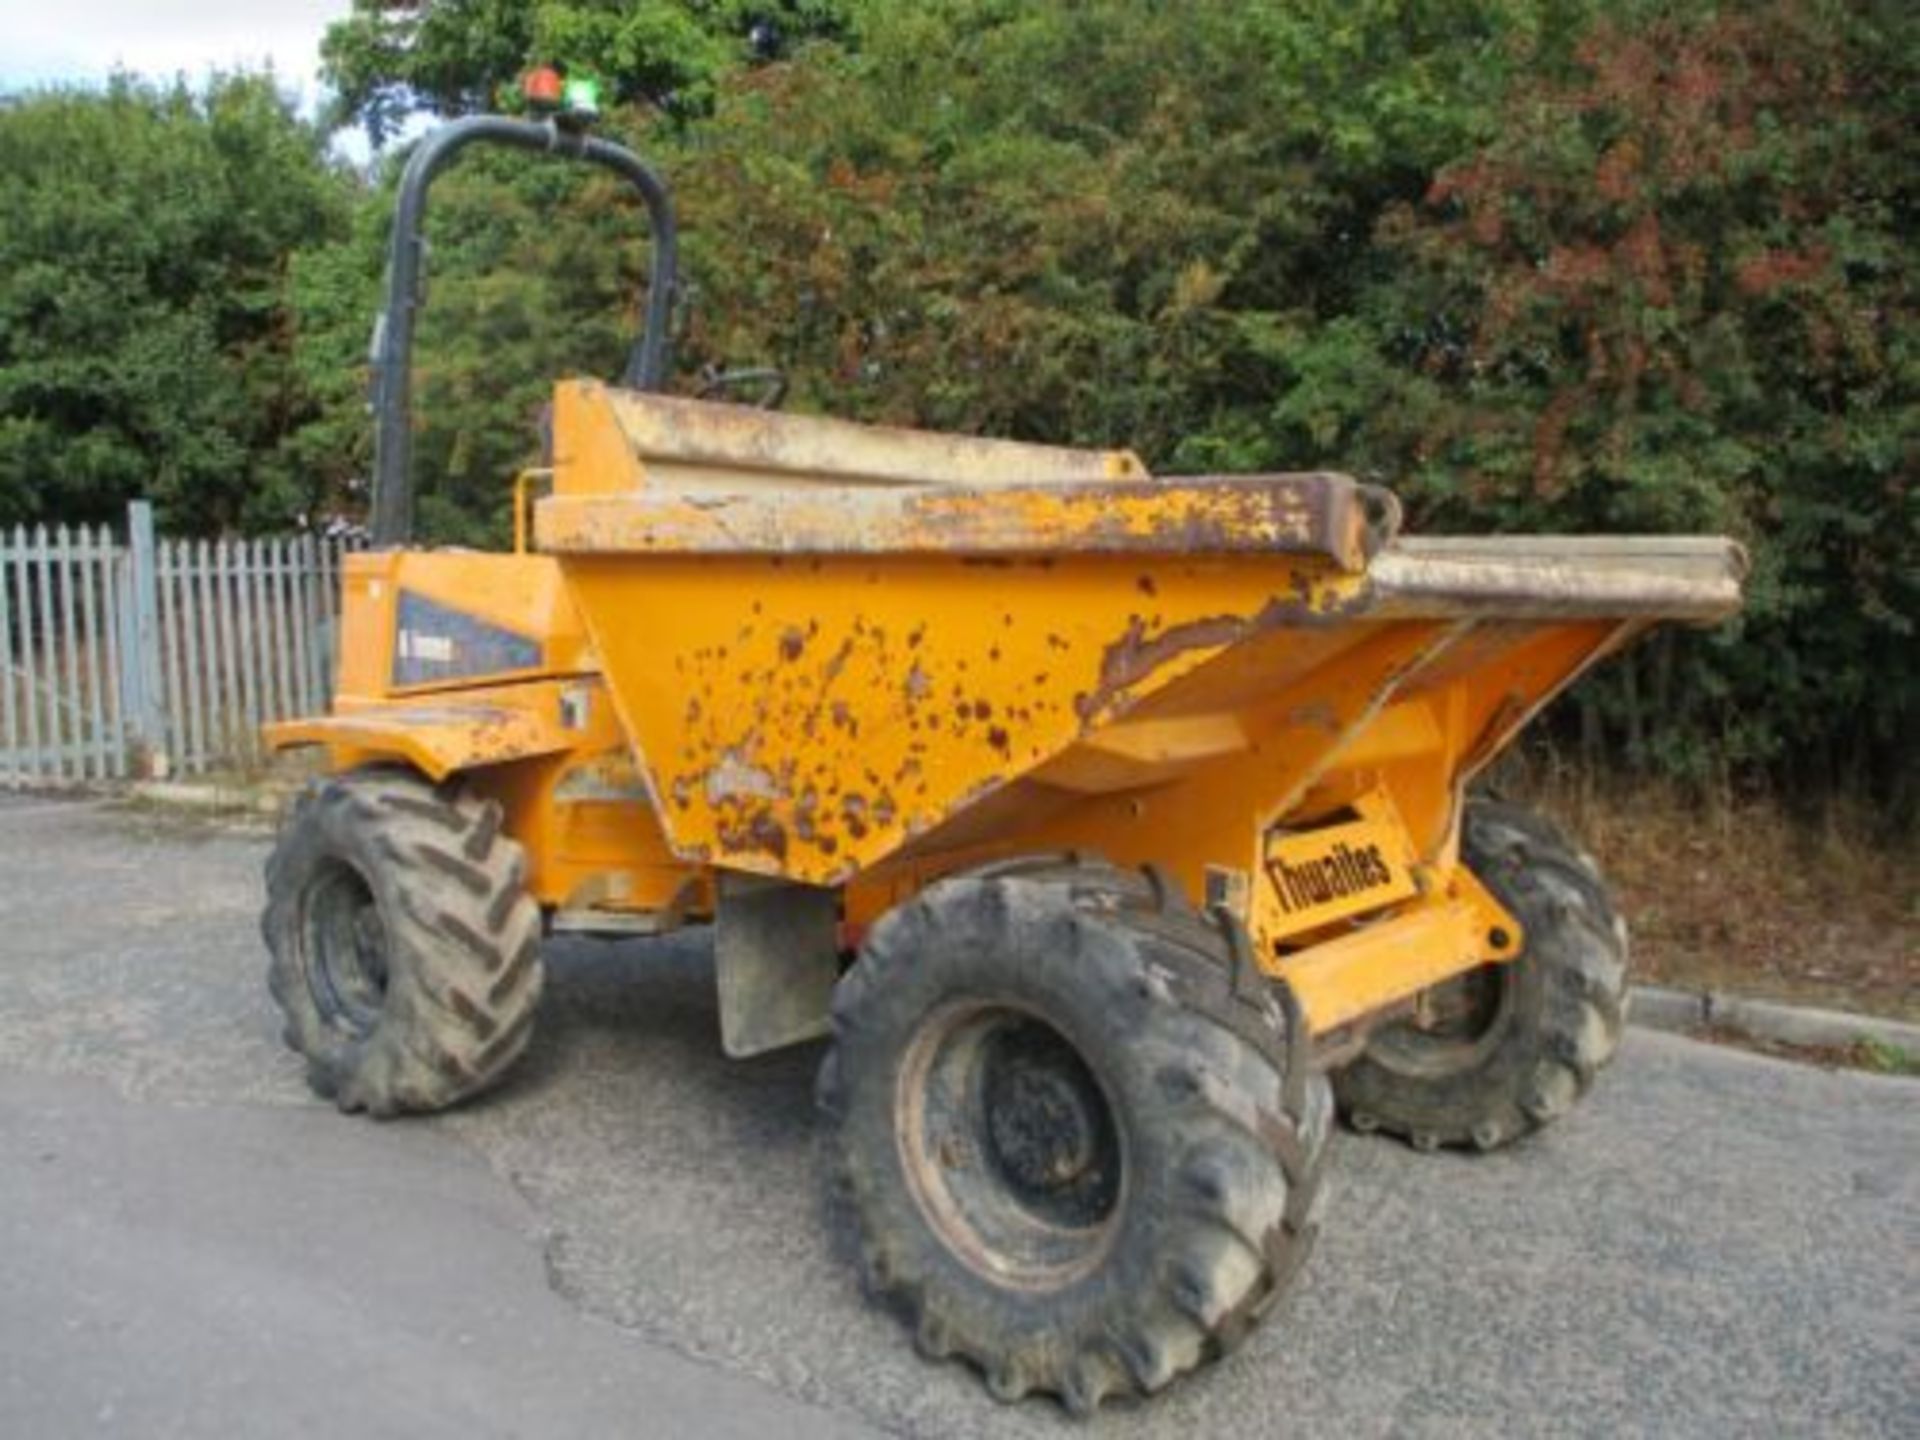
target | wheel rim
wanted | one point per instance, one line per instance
(1455, 1026)
(346, 945)
(1010, 1145)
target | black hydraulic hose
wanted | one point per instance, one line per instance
(393, 334)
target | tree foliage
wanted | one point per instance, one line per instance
(391, 58)
(1576, 265)
(145, 329)
(1548, 266)
(1674, 293)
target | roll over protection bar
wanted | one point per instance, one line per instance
(392, 347)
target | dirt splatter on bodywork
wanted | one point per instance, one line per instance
(843, 658)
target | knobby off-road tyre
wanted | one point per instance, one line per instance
(1516, 1044)
(1066, 1122)
(405, 949)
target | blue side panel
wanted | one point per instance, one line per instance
(435, 643)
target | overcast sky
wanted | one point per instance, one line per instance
(85, 40)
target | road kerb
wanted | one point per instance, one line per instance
(1660, 1008)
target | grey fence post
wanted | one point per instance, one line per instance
(140, 657)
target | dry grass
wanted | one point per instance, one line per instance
(1738, 895)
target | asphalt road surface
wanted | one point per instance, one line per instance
(632, 1238)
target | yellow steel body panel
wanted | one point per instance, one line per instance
(856, 658)
(1341, 979)
(524, 594)
(806, 719)
(437, 739)
(553, 754)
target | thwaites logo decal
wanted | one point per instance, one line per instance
(1314, 877)
(1342, 871)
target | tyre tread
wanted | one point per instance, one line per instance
(1261, 1164)
(1577, 938)
(463, 920)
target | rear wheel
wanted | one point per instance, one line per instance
(1502, 1050)
(405, 949)
(1081, 1150)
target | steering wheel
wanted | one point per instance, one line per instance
(716, 384)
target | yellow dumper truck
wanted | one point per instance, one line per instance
(1114, 828)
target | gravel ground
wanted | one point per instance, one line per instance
(1716, 1243)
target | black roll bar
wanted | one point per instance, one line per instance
(392, 350)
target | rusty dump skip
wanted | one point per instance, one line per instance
(693, 445)
(643, 474)
(1310, 515)
(1665, 577)
(826, 670)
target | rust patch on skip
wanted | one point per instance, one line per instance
(853, 814)
(803, 813)
(1137, 654)
(835, 664)
(734, 777)
(759, 832)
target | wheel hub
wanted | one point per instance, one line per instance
(346, 950)
(1041, 1122)
(370, 947)
(1009, 1144)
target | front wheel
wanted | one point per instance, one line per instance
(405, 948)
(1082, 1151)
(1502, 1050)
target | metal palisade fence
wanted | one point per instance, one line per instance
(156, 657)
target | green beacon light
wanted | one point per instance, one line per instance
(582, 99)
